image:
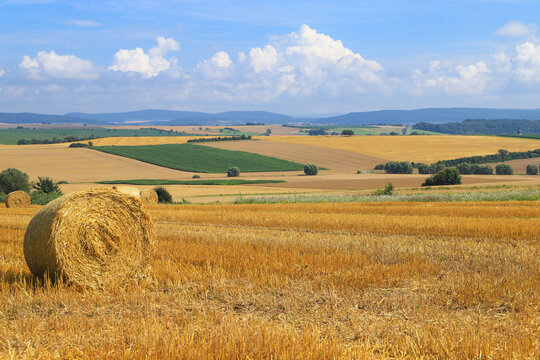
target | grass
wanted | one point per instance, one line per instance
(12, 135)
(505, 195)
(393, 280)
(197, 158)
(190, 182)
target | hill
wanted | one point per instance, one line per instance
(483, 126)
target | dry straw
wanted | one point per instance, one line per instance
(17, 199)
(91, 238)
(128, 190)
(149, 197)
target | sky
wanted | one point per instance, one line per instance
(302, 58)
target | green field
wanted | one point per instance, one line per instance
(198, 158)
(189, 182)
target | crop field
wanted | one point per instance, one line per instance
(426, 149)
(10, 136)
(296, 281)
(196, 158)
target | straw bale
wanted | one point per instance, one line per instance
(17, 199)
(91, 238)
(149, 197)
(129, 190)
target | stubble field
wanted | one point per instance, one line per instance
(304, 281)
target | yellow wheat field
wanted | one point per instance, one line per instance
(415, 148)
(297, 281)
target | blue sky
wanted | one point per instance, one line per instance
(295, 57)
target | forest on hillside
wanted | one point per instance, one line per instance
(483, 126)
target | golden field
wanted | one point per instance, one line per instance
(426, 149)
(300, 281)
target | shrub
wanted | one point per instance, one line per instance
(196, 176)
(47, 185)
(347, 132)
(398, 167)
(532, 169)
(504, 169)
(164, 196)
(311, 169)
(233, 172)
(447, 176)
(379, 167)
(12, 180)
(41, 198)
(388, 190)
(78, 145)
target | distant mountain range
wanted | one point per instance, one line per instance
(170, 117)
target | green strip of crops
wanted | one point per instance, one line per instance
(189, 182)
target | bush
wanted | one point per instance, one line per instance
(388, 190)
(196, 176)
(78, 145)
(398, 167)
(233, 172)
(164, 196)
(448, 176)
(311, 169)
(532, 169)
(347, 132)
(12, 180)
(41, 198)
(504, 169)
(379, 167)
(47, 185)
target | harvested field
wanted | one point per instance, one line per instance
(310, 281)
(415, 148)
(336, 160)
(74, 165)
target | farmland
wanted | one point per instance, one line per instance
(310, 281)
(196, 158)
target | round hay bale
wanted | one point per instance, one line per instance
(128, 190)
(91, 238)
(17, 199)
(149, 197)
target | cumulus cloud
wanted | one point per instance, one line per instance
(147, 64)
(527, 62)
(452, 79)
(263, 59)
(58, 66)
(218, 66)
(516, 29)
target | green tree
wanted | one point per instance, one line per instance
(233, 172)
(311, 169)
(532, 169)
(398, 167)
(447, 176)
(46, 185)
(12, 180)
(268, 132)
(347, 132)
(504, 169)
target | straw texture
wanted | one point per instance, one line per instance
(149, 197)
(91, 238)
(17, 199)
(128, 190)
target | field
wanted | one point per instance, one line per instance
(189, 182)
(10, 136)
(306, 281)
(196, 158)
(425, 149)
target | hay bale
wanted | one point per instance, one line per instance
(149, 197)
(91, 238)
(17, 199)
(128, 190)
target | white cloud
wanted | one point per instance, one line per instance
(58, 66)
(263, 59)
(148, 65)
(221, 60)
(217, 67)
(2, 72)
(516, 29)
(84, 23)
(452, 79)
(527, 62)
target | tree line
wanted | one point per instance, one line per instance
(483, 126)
